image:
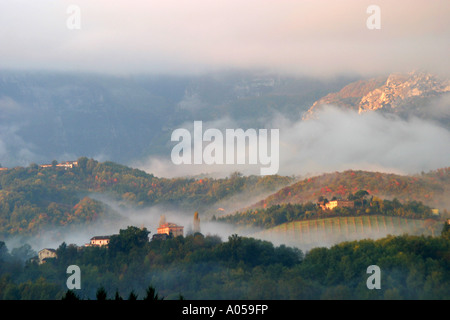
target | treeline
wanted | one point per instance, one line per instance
(181, 265)
(282, 213)
(34, 199)
(204, 267)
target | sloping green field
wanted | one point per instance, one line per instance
(307, 234)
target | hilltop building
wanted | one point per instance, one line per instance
(68, 164)
(167, 229)
(99, 241)
(337, 203)
(46, 253)
(170, 229)
(65, 165)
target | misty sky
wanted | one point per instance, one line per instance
(320, 37)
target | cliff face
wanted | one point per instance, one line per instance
(401, 89)
(348, 97)
(394, 93)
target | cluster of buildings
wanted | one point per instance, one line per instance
(166, 230)
(65, 165)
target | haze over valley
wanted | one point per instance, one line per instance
(151, 127)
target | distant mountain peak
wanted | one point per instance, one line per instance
(400, 87)
(389, 93)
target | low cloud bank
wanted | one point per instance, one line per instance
(337, 140)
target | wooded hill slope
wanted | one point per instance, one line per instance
(33, 199)
(431, 188)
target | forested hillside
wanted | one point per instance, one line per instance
(35, 198)
(311, 225)
(279, 214)
(431, 188)
(207, 267)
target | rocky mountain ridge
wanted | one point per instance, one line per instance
(396, 93)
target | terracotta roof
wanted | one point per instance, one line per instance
(100, 237)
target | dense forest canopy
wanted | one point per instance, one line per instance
(205, 267)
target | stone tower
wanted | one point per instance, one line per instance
(196, 222)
